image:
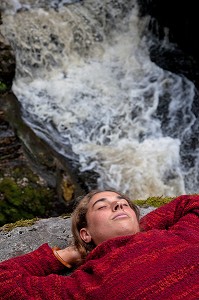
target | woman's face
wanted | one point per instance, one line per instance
(109, 215)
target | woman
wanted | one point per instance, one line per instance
(120, 257)
(94, 219)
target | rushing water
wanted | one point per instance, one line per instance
(86, 83)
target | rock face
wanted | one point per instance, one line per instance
(7, 59)
(10, 146)
(54, 231)
(181, 18)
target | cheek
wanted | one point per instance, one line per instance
(133, 214)
(97, 220)
(134, 217)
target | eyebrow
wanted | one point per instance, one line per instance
(105, 199)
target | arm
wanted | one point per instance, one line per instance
(34, 275)
(181, 214)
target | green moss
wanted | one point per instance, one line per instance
(21, 172)
(23, 202)
(153, 201)
(20, 223)
(11, 191)
(3, 87)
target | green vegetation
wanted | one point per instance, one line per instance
(20, 223)
(3, 87)
(153, 201)
(23, 202)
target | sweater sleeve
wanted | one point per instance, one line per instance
(32, 276)
(180, 215)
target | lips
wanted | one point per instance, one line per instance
(120, 216)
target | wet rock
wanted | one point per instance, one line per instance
(177, 22)
(7, 66)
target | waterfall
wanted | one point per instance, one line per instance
(87, 86)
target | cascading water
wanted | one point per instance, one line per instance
(86, 83)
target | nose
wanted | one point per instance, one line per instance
(116, 205)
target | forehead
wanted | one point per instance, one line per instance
(105, 195)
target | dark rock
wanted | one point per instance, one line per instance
(22, 150)
(7, 66)
(181, 18)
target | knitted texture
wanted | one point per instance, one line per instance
(159, 263)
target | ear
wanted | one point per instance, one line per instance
(85, 235)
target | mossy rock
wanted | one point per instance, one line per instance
(23, 202)
(20, 223)
(24, 195)
(3, 87)
(153, 201)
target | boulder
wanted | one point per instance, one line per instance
(55, 231)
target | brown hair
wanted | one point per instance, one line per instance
(79, 219)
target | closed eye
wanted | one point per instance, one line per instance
(102, 207)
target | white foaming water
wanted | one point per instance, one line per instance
(100, 97)
(12, 6)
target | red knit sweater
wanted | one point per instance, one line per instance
(161, 263)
